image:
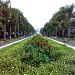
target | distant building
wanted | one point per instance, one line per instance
(38, 31)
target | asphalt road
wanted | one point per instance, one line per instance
(10, 42)
(65, 43)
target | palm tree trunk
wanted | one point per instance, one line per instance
(69, 32)
(10, 32)
(15, 30)
(4, 32)
(56, 31)
(63, 33)
(24, 33)
(18, 25)
(18, 30)
(20, 33)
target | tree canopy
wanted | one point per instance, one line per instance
(60, 23)
(12, 21)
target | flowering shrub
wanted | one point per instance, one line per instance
(36, 51)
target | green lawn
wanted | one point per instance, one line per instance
(10, 65)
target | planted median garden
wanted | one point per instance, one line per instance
(37, 55)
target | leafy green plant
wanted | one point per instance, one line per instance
(37, 51)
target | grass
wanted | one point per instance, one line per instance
(9, 64)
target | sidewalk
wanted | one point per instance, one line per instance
(68, 45)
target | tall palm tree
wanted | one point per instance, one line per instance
(4, 16)
(70, 13)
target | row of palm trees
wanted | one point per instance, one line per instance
(12, 22)
(61, 23)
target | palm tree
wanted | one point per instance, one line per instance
(70, 13)
(13, 20)
(4, 16)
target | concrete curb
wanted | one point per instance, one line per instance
(63, 43)
(12, 43)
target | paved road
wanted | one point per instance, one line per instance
(65, 43)
(4, 44)
(7, 43)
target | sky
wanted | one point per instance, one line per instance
(38, 12)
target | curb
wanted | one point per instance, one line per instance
(14, 42)
(11, 43)
(63, 43)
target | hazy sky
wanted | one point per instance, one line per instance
(38, 12)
